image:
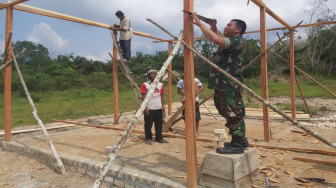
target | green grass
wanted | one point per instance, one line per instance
(78, 103)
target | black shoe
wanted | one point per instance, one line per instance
(245, 144)
(230, 150)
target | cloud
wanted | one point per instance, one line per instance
(43, 34)
(100, 56)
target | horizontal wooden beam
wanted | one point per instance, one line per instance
(307, 25)
(3, 6)
(48, 13)
(315, 161)
(271, 13)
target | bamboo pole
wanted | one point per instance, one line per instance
(8, 77)
(9, 61)
(255, 95)
(298, 85)
(213, 115)
(115, 84)
(264, 78)
(44, 130)
(170, 81)
(189, 95)
(43, 12)
(269, 48)
(120, 142)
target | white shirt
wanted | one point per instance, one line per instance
(155, 101)
(180, 85)
(126, 33)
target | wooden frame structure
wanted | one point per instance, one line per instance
(188, 29)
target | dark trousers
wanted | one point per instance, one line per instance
(125, 46)
(156, 117)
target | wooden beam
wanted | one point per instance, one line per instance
(37, 129)
(261, 4)
(264, 79)
(189, 102)
(303, 150)
(115, 83)
(48, 13)
(8, 77)
(258, 31)
(292, 72)
(110, 127)
(11, 3)
(315, 161)
(282, 28)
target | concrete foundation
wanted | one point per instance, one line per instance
(230, 171)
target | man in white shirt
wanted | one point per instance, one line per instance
(125, 34)
(154, 110)
(199, 88)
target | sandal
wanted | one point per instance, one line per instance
(149, 142)
(162, 141)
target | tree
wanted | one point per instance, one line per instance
(320, 38)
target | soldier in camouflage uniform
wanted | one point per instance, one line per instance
(228, 95)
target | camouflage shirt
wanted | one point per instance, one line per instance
(229, 59)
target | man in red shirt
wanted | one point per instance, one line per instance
(154, 109)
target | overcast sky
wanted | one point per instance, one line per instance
(62, 37)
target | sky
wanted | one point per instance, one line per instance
(64, 37)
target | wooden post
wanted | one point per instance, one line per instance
(115, 84)
(264, 79)
(292, 72)
(189, 88)
(170, 81)
(8, 77)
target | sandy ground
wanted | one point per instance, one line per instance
(168, 160)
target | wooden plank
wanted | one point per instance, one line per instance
(303, 150)
(37, 129)
(8, 77)
(115, 84)
(264, 78)
(292, 72)
(283, 28)
(111, 127)
(314, 161)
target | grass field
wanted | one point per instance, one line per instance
(77, 103)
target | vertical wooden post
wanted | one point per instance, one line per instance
(189, 87)
(115, 84)
(292, 73)
(264, 79)
(8, 77)
(170, 80)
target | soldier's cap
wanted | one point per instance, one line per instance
(150, 71)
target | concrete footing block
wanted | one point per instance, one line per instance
(230, 171)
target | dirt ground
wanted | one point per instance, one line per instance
(168, 160)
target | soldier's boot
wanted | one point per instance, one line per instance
(245, 143)
(236, 146)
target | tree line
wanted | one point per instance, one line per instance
(315, 53)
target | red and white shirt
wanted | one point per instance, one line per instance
(155, 101)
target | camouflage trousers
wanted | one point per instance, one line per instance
(230, 105)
